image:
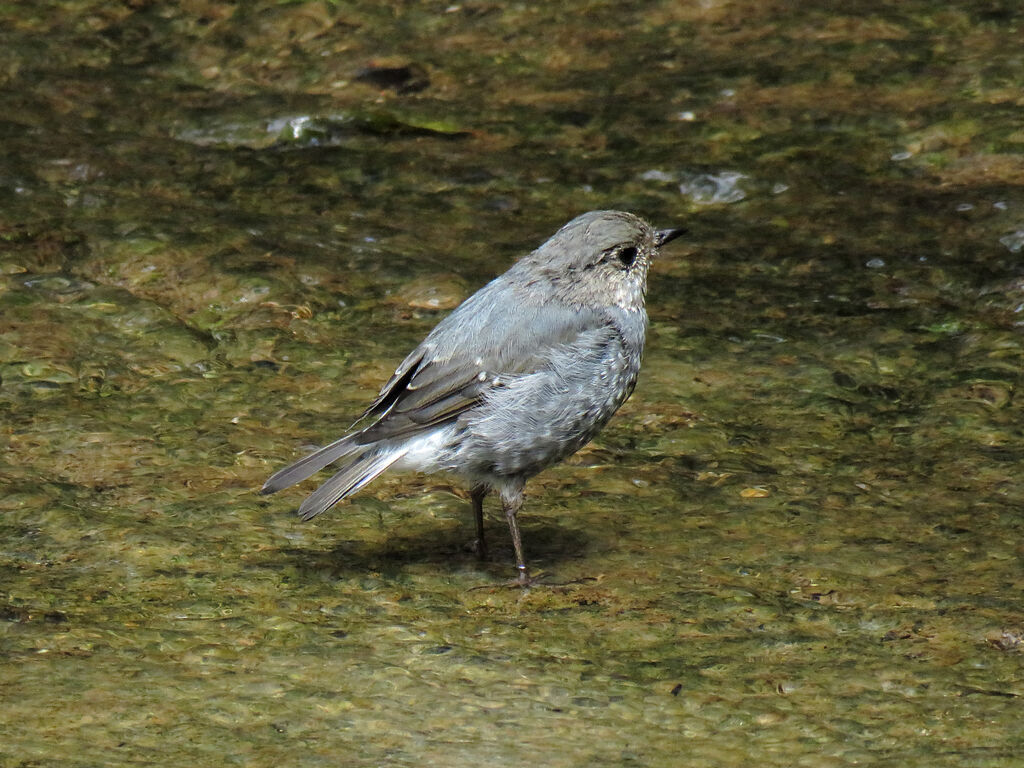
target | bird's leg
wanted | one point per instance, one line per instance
(477, 494)
(511, 503)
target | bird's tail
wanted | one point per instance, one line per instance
(353, 476)
(309, 465)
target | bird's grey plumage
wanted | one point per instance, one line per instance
(519, 376)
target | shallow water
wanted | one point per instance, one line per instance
(799, 543)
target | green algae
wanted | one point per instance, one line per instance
(798, 544)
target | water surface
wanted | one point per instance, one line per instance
(799, 543)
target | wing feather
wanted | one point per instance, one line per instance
(464, 358)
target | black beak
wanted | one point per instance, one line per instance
(663, 236)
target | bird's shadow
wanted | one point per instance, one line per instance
(450, 547)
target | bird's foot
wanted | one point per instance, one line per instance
(524, 580)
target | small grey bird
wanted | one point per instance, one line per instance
(521, 375)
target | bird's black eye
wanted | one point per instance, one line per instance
(627, 256)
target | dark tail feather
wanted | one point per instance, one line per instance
(354, 476)
(308, 465)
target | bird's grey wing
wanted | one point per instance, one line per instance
(473, 350)
(451, 330)
(436, 393)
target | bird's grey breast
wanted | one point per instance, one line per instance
(539, 417)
